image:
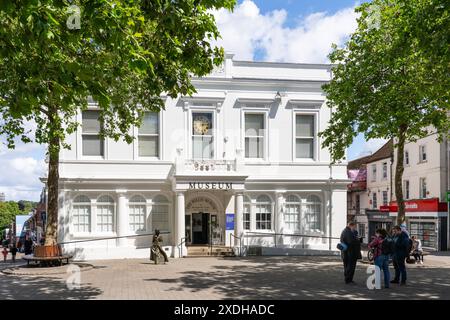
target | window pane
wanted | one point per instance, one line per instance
(305, 126)
(254, 124)
(90, 122)
(160, 217)
(202, 123)
(92, 145)
(304, 148)
(254, 147)
(137, 217)
(105, 218)
(81, 218)
(148, 146)
(150, 123)
(202, 147)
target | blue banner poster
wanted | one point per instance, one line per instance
(230, 221)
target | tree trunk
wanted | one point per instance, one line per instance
(399, 175)
(51, 234)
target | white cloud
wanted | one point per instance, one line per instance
(246, 31)
(20, 173)
(371, 146)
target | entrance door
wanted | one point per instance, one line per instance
(200, 228)
(443, 234)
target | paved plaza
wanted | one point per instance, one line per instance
(227, 278)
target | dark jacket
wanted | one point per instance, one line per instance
(350, 238)
(401, 244)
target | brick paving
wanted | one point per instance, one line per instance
(228, 278)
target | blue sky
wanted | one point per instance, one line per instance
(281, 30)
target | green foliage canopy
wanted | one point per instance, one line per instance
(391, 80)
(125, 55)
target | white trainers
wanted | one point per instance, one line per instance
(421, 262)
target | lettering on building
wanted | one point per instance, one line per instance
(210, 186)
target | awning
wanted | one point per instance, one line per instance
(419, 208)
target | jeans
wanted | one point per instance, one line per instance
(400, 267)
(382, 261)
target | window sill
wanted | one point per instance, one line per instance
(307, 160)
(92, 157)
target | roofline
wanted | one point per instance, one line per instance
(283, 64)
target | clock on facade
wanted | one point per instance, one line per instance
(201, 124)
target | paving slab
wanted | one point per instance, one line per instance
(227, 278)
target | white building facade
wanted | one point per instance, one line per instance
(425, 186)
(241, 158)
(370, 193)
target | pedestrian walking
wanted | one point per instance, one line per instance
(13, 251)
(351, 251)
(28, 245)
(5, 254)
(383, 247)
(401, 252)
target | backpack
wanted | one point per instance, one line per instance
(387, 246)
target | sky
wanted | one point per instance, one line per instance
(260, 30)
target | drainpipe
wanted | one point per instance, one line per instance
(330, 209)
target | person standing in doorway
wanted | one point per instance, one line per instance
(352, 253)
(401, 251)
(382, 250)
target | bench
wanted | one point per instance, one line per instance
(423, 253)
(48, 261)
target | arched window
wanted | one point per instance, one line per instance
(312, 213)
(137, 208)
(292, 211)
(81, 214)
(247, 214)
(160, 213)
(263, 213)
(105, 214)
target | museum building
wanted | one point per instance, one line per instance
(238, 164)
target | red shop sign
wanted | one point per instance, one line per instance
(423, 205)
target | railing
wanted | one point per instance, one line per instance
(110, 238)
(248, 235)
(210, 165)
(180, 247)
(239, 240)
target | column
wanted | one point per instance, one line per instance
(122, 218)
(179, 226)
(238, 216)
(279, 227)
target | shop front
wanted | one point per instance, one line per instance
(427, 219)
(378, 219)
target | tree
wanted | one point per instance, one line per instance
(55, 54)
(26, 206)
(391, 79)
(8, 211)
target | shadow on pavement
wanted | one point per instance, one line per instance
(298, 278)
(42, 288)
